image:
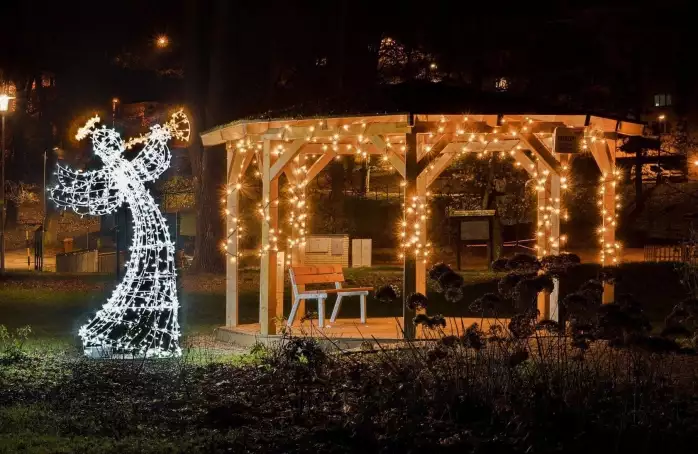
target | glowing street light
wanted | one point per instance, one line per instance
(162, 41)
(114, 102)
(4, 108)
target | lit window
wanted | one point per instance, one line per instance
(322, 61)
(662, 100)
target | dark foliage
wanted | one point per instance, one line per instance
(486, 303)
(608, 274)
(500, 265)
(417, 301)
(437, 270)
(387, 294)
(523, 263)
(559, 265)
(430, 322)
(454, 294)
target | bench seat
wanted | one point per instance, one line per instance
(323, 274)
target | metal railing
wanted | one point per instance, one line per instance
(684, 253)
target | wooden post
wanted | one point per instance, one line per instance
(270, 224)
(231, 269)
(421, 267)
(410, 273)
(296, 254)
(605, 157)
(611, 255)
(280, 267)
(549, 216)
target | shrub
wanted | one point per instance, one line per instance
(12, 344)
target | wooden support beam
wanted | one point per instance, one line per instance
(231, 268)
(291, 152)
(268, 310)
(431, 173)
(548, 305)
(436, 148)
(602, 154)
(345, 130)
(238, 161)
(397, 161)
(544, 155)
(318, 165)
(527, 163)
(410, 271)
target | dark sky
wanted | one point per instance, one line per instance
(78, 39)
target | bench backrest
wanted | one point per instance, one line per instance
(319, 274)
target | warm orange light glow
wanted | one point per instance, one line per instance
(162, 41)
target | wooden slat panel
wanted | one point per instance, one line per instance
(319, 278)
(316, 269)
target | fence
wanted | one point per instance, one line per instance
(88, 262)
(107, 262)
(77, 262)
(675, 253)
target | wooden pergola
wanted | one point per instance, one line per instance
(420, 146)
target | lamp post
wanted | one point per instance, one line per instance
(4, 108)
(114, 102)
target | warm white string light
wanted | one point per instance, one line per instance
(413, 225)
(140, 317)
(608, 205)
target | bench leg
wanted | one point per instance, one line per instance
(321, 312)
(335, 311)
(292, 315)
(362, 303)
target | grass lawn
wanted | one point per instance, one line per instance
(56, 305)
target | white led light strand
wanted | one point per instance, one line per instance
(140, 317)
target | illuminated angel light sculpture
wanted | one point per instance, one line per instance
(140, 317)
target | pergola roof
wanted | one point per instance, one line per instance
(405, 99)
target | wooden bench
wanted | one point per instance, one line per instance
(323, 274)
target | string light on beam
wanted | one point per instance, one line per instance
(298, 215)
(140, 317)
(608, 203)
(413, 228)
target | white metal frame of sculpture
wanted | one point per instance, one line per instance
(140, 317)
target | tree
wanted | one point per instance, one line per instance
(202, 88)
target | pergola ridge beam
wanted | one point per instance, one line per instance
(286, 157)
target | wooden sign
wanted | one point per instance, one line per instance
(475, 230)
(567, 140)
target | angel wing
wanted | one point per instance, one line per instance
(93, 192)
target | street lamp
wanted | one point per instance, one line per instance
(114, 102)
(162, 41)
(4, 108)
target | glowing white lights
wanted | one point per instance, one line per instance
(140, 317)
